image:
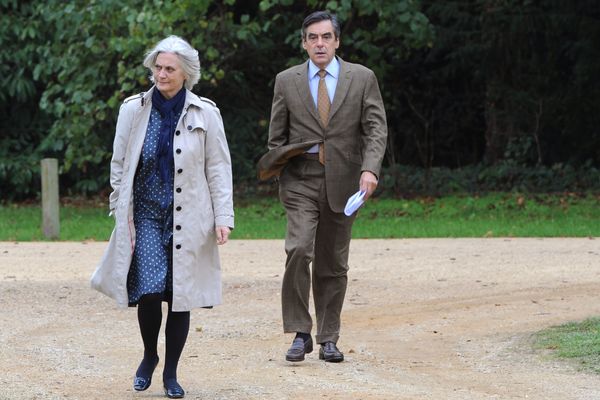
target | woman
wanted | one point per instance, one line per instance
(172, 201)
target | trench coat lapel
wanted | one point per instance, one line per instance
(304, 92)
(144, 110)
(341, 90)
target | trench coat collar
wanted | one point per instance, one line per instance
(190, 98)
(190, 121)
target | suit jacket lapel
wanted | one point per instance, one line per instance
(304, 91)
(342, 87)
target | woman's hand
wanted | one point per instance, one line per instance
(222, 234)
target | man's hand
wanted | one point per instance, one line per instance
(222, 234)
(368, 183)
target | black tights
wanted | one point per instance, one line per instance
(176, 331)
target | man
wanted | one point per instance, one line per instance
(327, 137)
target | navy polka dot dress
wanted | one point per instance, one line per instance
(152, 265)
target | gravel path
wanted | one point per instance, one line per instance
(423, 319)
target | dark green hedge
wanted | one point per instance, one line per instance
(482, 84)
(507, 176)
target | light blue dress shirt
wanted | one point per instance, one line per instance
(331, 79)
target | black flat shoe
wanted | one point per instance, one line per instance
(173, 390)
(298, 349)
(141, 383)
(330, 353)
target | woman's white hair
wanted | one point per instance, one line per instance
(187, 55)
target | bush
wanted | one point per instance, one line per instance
(407, 180)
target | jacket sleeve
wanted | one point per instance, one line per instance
(122, 133)
(374, 126)
(279, 125)
(218, 170)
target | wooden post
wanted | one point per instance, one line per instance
(50, 201)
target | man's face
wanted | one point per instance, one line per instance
(320, 43)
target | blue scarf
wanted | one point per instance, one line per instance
(169, 110)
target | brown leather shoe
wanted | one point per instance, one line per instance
(298, 349)
(330, 353)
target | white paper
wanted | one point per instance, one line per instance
(354, 202)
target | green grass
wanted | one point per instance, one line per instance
(493, 215)
(23, 223)
(578, 342)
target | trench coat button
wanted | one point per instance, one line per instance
(179, 170)
(178, 208)
(177, 133)
(178, 227)
(178, 151)
(178, 246)
(189, 127)
(178, 190)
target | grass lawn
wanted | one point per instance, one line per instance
(575, 341)
(492, 215)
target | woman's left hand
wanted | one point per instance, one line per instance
(222, 234)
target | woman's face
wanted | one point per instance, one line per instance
(168, 74)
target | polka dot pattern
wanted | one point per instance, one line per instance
(152, 265)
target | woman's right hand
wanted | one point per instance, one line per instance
(222, 234)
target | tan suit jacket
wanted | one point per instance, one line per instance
(354, 139)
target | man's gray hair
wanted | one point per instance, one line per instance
(187, 55)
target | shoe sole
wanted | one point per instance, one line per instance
(292, 359)
(174, 397)
(331, 359)
(181, 396)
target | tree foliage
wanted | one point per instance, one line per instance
(505, 80)
(464, 83)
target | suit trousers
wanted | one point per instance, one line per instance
(316, 235)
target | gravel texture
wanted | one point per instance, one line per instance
(423, 319)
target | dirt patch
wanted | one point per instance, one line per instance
(423, 319)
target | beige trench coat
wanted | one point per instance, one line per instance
(202, 200)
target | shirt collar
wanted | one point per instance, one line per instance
(332, 69)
